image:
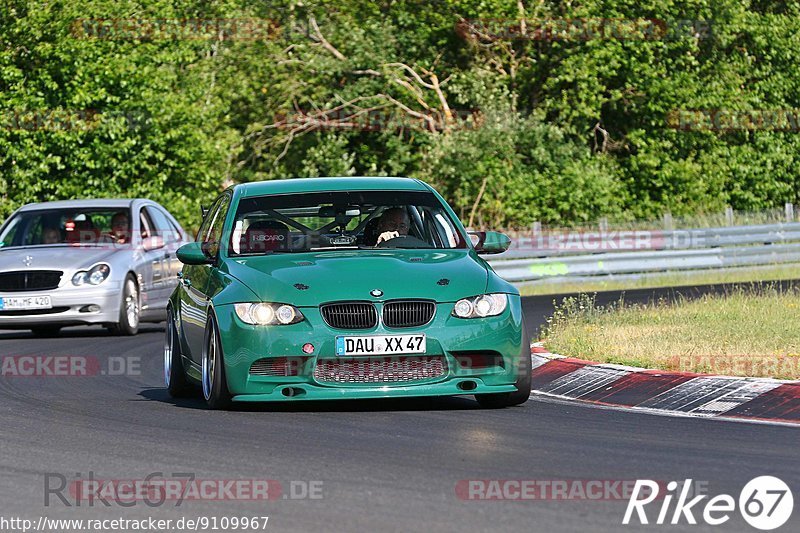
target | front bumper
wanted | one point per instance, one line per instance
(447, 337)
(67, 303)
(309, 391)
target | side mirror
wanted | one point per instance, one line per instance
(193, 254)
(490, 242)
(153, 243)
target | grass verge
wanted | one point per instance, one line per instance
(746, 332)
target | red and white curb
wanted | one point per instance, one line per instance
(682, 393)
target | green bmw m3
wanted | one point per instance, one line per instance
(342, 288)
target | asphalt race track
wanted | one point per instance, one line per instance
(383, 465)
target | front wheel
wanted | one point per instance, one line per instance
(523, 382)
(129, 309)
(215, 385)
(174, 375)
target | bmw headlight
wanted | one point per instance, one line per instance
(481, 306)
(94, 276)
(265, 314)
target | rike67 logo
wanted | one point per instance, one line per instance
(765, 503)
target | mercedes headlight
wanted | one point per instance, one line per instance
(94, 276)
(265, 314)
(481, 306)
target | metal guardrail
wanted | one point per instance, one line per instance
(555, 256)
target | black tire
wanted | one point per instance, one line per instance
(214, 381)
(129, 309)
(523, 382)
(178, 385)
(46, 331)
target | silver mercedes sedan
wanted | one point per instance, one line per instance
(80, 262)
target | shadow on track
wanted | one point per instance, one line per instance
(445, 403)
(75, 332)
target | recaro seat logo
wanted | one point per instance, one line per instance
(765, 503)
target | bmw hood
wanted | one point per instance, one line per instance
(58, 257)
(310, 279)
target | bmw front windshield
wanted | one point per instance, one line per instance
(312, 222)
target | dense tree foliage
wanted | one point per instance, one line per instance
(515, 110)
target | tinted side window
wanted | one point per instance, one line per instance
(214, 234)
(212, 211)
(147, 227)
(163, 227)
(10, 233)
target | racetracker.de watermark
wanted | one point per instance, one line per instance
(740, 365)
(72, 120)
(157, 489)
(62, 366)
(583, 29)
(175, 29)
(555, 489)
(72, 235)
(729, 120)
(604, 240)
(378, 120)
